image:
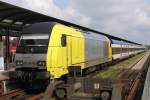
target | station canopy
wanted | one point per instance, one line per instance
(14, 18)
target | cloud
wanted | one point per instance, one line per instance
(127, 19)
(75, 17)
(49, 7)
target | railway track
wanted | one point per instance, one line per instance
(129, 80)
(12, 94)
(126, 74)
(16, 93)
(134, 77)
(136, 83)
(36, 97)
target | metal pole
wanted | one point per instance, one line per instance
(1, 54)
(7, 49)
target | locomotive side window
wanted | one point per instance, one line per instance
(63, 40)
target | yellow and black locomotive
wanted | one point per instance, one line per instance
(50, 50)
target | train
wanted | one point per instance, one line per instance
(53, 51)
(121, 49)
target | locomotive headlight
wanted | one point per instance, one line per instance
(41, 63)
(19, 62)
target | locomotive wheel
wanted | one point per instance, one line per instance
(60, 93)
(105, 95)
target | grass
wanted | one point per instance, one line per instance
(110, 72)
(113, 70)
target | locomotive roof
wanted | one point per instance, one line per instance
(43, 27)
(92, 35)
(15, 18)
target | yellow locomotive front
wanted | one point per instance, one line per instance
(66, 49)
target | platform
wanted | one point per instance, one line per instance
(146, 91)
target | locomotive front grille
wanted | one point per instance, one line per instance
(29, 63)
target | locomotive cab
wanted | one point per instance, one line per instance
(31, 51)
(30, 58)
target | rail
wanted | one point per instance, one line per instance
(12, 94)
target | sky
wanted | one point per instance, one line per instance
(128, 19)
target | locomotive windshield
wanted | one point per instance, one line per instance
(35, 38)
(33, 43)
